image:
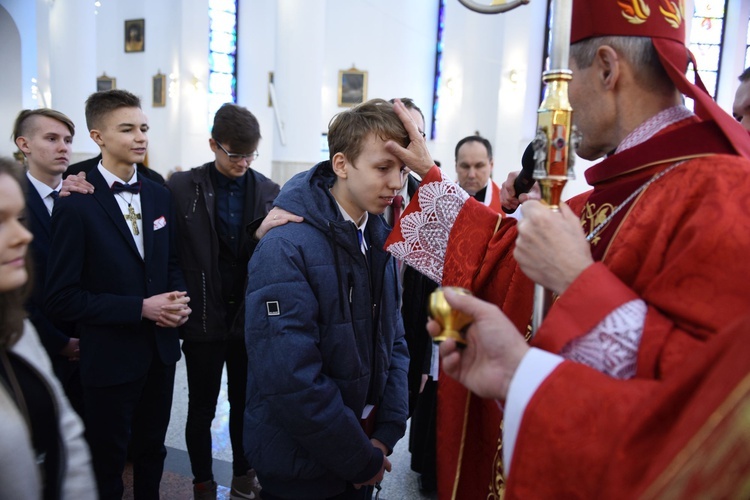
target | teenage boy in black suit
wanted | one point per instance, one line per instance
(114, 272)
(45, 137)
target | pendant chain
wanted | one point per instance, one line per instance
(635, 193)
(132, 195)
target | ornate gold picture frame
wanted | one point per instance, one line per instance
(105, 82)
(135, 35)
(352, 87)
(159, 90)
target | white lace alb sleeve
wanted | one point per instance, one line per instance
(425, 232)
(611, 347)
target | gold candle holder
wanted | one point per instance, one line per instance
(451, 320)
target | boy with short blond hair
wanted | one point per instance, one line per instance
(45, 137)
(114, 273)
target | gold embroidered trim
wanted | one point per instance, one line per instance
(461, 448)
(692, 449)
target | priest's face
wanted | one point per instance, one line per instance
(594, 111)
(473, 167)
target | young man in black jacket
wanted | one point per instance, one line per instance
(214, 203)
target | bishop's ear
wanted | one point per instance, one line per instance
(607, 63)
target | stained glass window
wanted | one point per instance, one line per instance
(438, 67)
(222, 54)
(706, 36)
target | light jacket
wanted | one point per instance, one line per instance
(18, 469)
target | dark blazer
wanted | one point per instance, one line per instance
(53, 338)
(90, 164)
(194, 197)
(98, 279)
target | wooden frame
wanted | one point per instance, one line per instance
(159, 90)
(105, 83)
(135, 35)
(352, 87)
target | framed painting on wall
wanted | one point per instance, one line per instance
(159, 90)
(352, 87)
(135, 35)
(104, 82)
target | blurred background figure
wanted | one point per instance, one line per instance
(42, 450)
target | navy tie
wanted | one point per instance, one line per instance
(118, 187)
(54, 195)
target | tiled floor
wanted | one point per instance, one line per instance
(400, 484)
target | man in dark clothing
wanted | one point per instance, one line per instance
(214, 203)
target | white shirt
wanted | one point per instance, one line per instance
(361, 227)
(124, 200)
(44, 191)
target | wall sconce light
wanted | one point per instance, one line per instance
(450, 85)
(34, 89)
(174, 85)
(196, 83)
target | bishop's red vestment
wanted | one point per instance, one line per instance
(679, 246)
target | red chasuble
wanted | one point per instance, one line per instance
(696, 432)
(679, 245)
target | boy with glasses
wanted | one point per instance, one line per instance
(214, 204)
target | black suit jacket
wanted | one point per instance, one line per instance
(98, 279)
(52, 336)
(90, 164)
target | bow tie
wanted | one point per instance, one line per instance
(118, 187)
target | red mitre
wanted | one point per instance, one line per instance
(664, 22)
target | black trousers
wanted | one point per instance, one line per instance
(137, 413)
(69, 374)
(204, 362)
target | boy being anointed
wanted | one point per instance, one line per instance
(323, 332)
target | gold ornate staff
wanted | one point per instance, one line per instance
(496, 7)
(552, 152)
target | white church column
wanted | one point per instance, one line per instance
(72, 62)
(298, 80)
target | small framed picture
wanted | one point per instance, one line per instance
(352, 87)
(159, 90)
(135, 35)
(105, 83)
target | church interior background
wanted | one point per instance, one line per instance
(286, 61)
(283, 60)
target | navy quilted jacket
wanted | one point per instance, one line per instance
(324, 338)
